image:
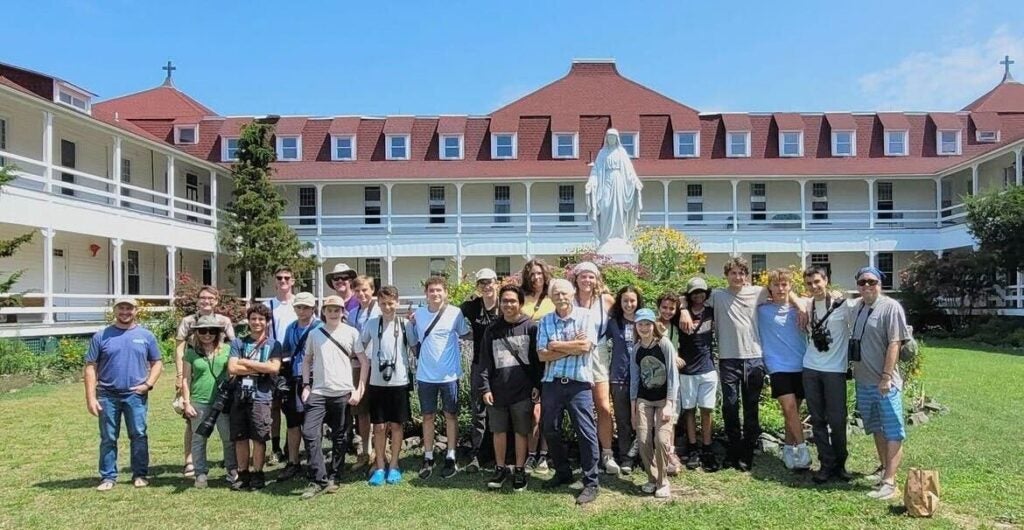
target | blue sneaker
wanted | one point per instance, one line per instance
(377, 478)
(394, 476)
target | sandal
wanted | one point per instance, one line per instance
(106, 485)
(188, 471)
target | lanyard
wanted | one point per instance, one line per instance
(380, 337)
(369, 310)
(863, 327)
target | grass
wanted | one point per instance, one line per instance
(48, 451)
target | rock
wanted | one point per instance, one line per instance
(412, 442)
(769, 443)
(918, 418)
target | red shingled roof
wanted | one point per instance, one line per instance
(1007, 96)
(736, 122)
(985, 121)
(289, 126)
(345, 125)
(451, 125)
(894, 121)
(788, 121)
(399, 125)
(841, 121)
(162, 102)
(946, 121)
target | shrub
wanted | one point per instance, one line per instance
(70, 356)
(185, 296)
(17, 358)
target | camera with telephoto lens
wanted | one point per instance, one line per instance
(853, 351)
(221, 403)
(822, 338)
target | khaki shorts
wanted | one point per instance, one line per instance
(601, 361)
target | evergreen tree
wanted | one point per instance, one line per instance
(253, 233)
(7, 249)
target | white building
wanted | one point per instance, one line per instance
(122, 191)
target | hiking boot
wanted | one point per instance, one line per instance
(519, 479)
(542, 465)
(473, 466)
(289, 472)
(312, 490)
(258, 481)
(885, 491)
(708, 461)
(557, 481)
(822, 476)
(242, 483)
(427, 469)
(201, 481)
(611, 467)
(693, 460)
(499, 478)
(450, 469)
(588, 495)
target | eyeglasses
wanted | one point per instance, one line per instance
(207, 331)
(485, 282)
(208, 298)
(862, 283)
(283, 278)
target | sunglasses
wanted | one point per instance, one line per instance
(485, 282)
(283, 278)
(207, 331)
(862, 283)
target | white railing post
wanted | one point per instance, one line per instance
(319, 270)
(117, 243)
(803, 204)
(938, 202)
(319, 210)
(391, 264)
(735, 206)
(48, 155)
(48, 235)
(170, 186)
(664, 186)
(172, 276)
(871, 202)
(390, 212)
(458, 212)
(117, 171)
(248, 287)
(529, 208)
(213, 209)
(213, 267)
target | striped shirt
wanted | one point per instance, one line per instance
(553, 327)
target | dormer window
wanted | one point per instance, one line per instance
(896, 143)
(450, 147)
(844, 143)
(344, 147)
(186, 134)
(986, 137)
(564, 145)
(631, 143)
(74, 98)
(229, 149)
(947, 142)
(503, 146)
(737, 144)
(687, 144)
(289, 148)
(791, 143)
(398, 147)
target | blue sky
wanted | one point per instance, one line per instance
(456, 57)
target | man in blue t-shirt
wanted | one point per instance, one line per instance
(121, 367)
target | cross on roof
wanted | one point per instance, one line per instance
(1006, 62)
(170, 68)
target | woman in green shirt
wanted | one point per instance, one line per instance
(206, 361)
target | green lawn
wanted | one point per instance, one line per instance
(48, 445)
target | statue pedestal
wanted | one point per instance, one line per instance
(619, 250)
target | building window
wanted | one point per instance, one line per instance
(132, 272)
(758, 264)
(564, 145)
(191, 194)
(503, 267)
(372, 269)
(186, 134)
(435, 203)
(502, 203)
(895, 143)
(3, 140)
(883, 204)
(948, 143)
(307, 205)
(885, 265)
(207, 271)
(289, 148)
(371, 205)
(1009, 176)
(758, 202)
(566, 203)
(398, 147)
(437, 267)
(822, 260)
(695, 202)
(819, 200)
(844, 143)
(451, 147)
(687, 144)
(344, 147)
(986, 137)
(230, 150)
(791, 143)
(68, 156)
(631, 143)
(74, 99)
(503, 146)
(737, 144)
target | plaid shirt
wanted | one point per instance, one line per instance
(553, 327)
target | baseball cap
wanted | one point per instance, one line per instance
(646, 314)
(486, 274)
(304, 299)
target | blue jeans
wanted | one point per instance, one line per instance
(577, 399)
(134, 408)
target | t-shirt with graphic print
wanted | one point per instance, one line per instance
(510, 368)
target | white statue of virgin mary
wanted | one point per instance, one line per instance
(613, 197)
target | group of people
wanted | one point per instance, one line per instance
(628, 377)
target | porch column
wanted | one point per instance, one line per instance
(803, 253)
(974, 180)
(213, 268)
(319, 212)
(938, 202)
(213, 213)
(115, 259)
(1019, 165)
(391, 264)
(458, 211)
(170, 186)
(871, 202)
(529, 209)
(248, 287)
(48, 235)
(389, 186)
(48, 156)
(319, 268)
(664, 186)
(735, 206)
(803, 204)
(172, 272)
(117, 171)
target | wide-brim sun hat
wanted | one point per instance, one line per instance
(208, 321)
(341, 270)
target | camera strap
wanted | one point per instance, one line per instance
(399, 324)
(832, 306)
(512, 351)
(437, 318)
(864, 326)
(336, 343)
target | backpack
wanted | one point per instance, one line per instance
(908, 346)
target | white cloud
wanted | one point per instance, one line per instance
(945, 80)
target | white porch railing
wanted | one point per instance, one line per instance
(76, 307)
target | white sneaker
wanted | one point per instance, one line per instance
(803, 457)
(876, 476)
(788, 456)
(664, 492)
(886, 491)
(649, 487)
(611, 467)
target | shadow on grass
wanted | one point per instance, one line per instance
(769, 468)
